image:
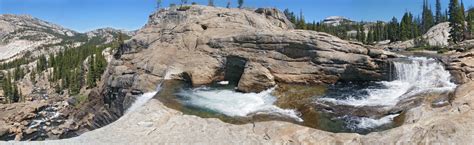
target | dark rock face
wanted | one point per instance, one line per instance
(234, 69)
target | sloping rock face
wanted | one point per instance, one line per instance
(198, 41)
(24, 34)
(21, 33)
(437, 35)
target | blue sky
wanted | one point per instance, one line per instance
(85, 15)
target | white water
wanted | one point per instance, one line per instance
(141, 100)
(236, 104)
(369, 123)
(417, 75)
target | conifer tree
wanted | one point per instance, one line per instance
(6, 84)
(427, 17)
(470, 23)
(439, 15)
(33, 75)
(15, 96)
(406, 27)
(241, 3)
(393, 30)
(456, 20)
(91, 82)
(370, 37)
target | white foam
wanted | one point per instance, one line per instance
(141, 100)
(236, 104)
(223, 82)
(369, 123)
(416, 76)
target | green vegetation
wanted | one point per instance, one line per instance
(68, 69)
(183, 8)
(430, 48)
(470, 23)
(410, 26)
(10, 90)
(456, 19)
(80, 100)
(428, 20)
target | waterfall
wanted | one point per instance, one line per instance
(423, 74)
(413, 75)
(141, 100)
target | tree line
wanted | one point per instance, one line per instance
(410, 26)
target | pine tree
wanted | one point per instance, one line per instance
(439, 15)
(33, 76)
(470, 23)
(91, 82)
(463, 10)
(6, 87)
(393, 30)
(370, 37)
(406, 27)
(301, 23)
(427, 17)
(15, 96)
(241, 3)
(456, 20)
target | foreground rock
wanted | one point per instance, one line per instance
(155, 123)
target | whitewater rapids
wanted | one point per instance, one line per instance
(236, 104)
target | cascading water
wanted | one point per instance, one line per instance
(345, 107)
(412, 77)
(141, 100)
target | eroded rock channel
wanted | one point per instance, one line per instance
(360, 107)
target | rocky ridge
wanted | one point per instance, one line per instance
(22, 34)
(196, 44)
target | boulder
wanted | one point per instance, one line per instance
(256, 78)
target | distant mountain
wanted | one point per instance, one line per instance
(108, 34)
(336, 20)
(20, 34)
